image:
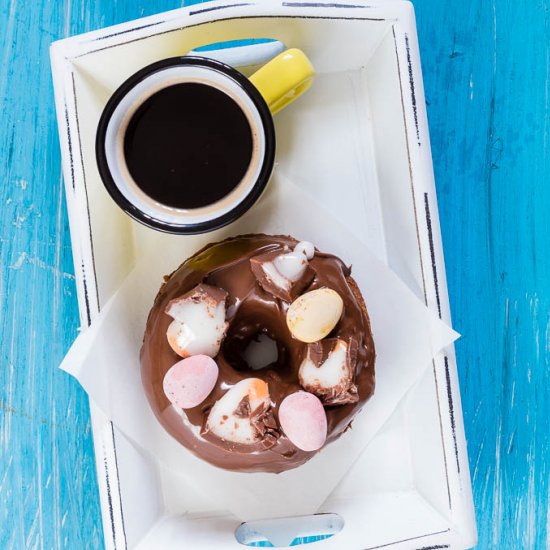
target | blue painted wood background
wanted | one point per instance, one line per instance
(487, 78)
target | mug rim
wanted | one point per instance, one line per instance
(216, 222)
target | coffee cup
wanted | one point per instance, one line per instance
(186, 145)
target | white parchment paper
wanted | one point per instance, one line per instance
(105, 357)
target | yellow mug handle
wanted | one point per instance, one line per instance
(284, 78)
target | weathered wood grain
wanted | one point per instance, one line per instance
(48, 488)
(486, 71)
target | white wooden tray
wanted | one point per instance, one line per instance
(360, 142)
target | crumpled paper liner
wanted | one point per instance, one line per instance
(105, 357)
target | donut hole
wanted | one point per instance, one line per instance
(261, 352)
(254, 352)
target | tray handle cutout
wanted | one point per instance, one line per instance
(247, 55)
(284, 532)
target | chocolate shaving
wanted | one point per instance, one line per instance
(263, 421)
(269, 421)
(243, 408)
(268, 441)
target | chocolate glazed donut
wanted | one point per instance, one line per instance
(254, 306)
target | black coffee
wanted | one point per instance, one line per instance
(188, 145)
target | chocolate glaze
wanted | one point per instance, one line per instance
(250, 311)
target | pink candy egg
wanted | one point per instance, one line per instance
(189, 382)
(303, 419)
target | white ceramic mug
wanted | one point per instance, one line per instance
(270, 89)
